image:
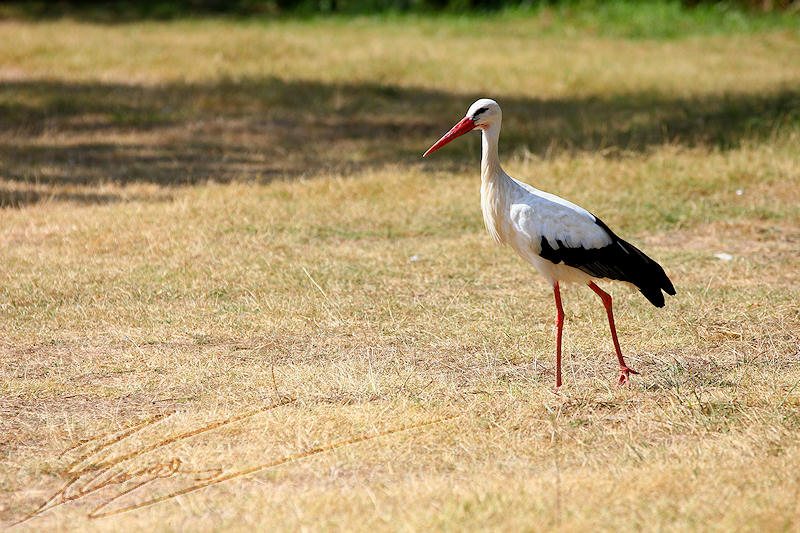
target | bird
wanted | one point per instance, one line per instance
(564, 242)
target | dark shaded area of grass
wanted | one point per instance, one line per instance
(58, 133)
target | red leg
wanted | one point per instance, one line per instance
(624, 371)
(559, 329)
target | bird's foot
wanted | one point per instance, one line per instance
(624, 376)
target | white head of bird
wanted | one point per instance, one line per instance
(484, 114)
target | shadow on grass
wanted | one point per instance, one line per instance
(57, 134)
(18, 198)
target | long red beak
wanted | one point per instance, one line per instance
(466, 124)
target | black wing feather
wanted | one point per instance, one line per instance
(619, 260)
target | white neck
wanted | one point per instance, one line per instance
(490, 161)
(494, 185)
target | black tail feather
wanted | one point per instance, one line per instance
(634, 266)
(628, 263)
(619, 260)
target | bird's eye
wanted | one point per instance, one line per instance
(479, 111)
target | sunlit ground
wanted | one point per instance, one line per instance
(201, 220)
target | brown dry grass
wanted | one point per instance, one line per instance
(208, 218)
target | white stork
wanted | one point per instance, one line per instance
(563, 241)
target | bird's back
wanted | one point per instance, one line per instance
(562, 233)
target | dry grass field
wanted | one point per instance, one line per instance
(234, 298)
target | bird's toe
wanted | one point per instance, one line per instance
(624, 376)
